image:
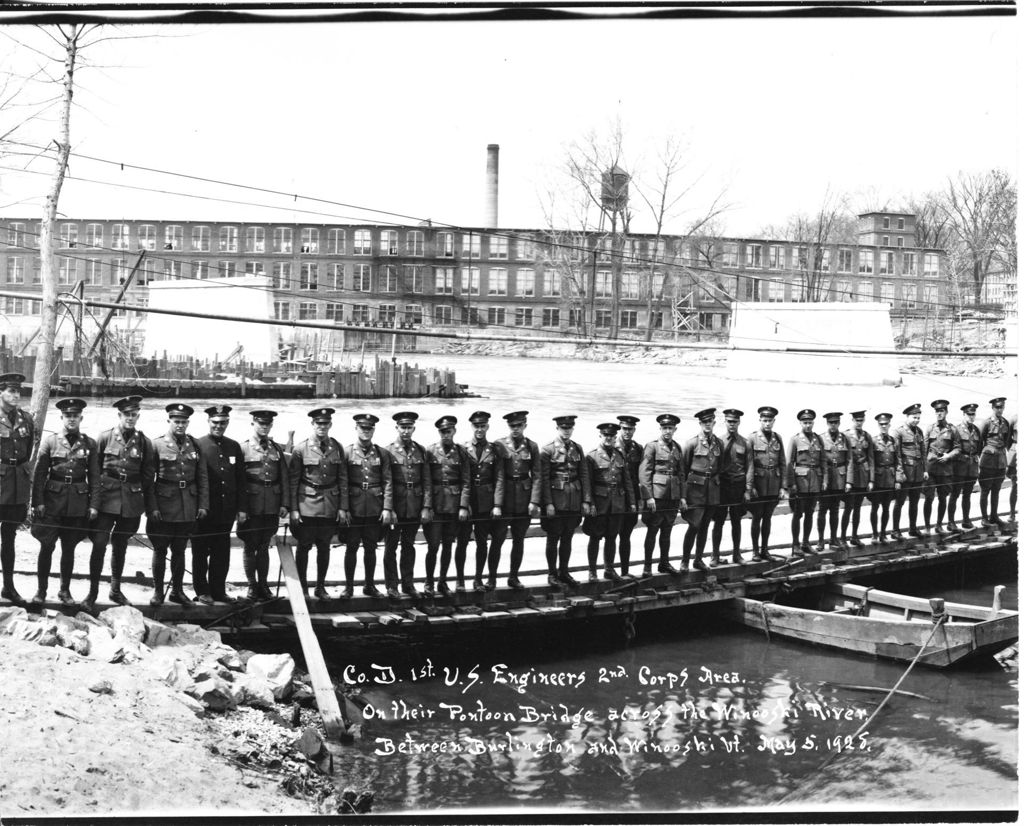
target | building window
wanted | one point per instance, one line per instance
(307, 310)
(16, 236)
(910, 296)
(470, 315)
(227, 269)
(200, 239)
(255, 268)
(776, 290)
(498, 247)
(497, 282)
(336, 276)
(119, 236)
(525, 249)
(174, 238)
(658, 285)
(362, 242)
(659, 251)
(845, 261)
(604, 250)
(887, 292)
(414, 242)
(282, 278)
(308, 276)
(442, 314)
(730, 255)
(825, 264)
(525, 283)
(575, 317)
(866, 262)
(282, 310)
(386, 313)
(909, 263)
(335, 241)
(413, 275)
(630, 285)
(885, 223)
(524, 317)
(866, 290)
(776, 257)
(627, 319)
(444, 280)
(550, 317)
(799, 258)
(886, 263)
(37, 271)
(603, 284)
(470, 245)
(172, 270)
(309, 241)
(283, 240)
(470, 280)
(754, 256)
(256, 240)
(900, 223)
(552, 283)
(361, 277)
(118, 271)
(656, 320)
(603, 319)
(360, 313)
(885, 240)
(227, 239)
(930, 294)
(387, 281)
(445, 245)
(67, 271)
(68, 236)
(899, 241)
(200, 269)
(15, 270)
(413, 314)
(389, 242)
(841, 290)
(333, 311)
(496, 316)
(931, 265)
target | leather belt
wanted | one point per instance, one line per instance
(66, 478)
(264, 482)
(122, 476)
(517, 477)
(13, 461)
(367, 486)
(321, 487)
(179, 483)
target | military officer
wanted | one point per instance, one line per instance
(450, 477)
(127, 463)
(838, 456)
(885, 452)
(180, 495)
(265, 500)
(966, 466)
(860, 478)
(701, 466)
(211, 544)
(764, 479)
(65, 492)
(995, 440)
(17, 436)
(661, 488)
(1011, 468)
(565, 496)
(633, 454)
(487, 491)
(413, 498)
(942, 446)
(612, 495)
(371, 500)
(735, 464)
(319, 498)
(805, 474)
(910, 470)
(520, 459)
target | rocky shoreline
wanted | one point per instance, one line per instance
(124, 715)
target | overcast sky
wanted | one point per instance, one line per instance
(397, 116)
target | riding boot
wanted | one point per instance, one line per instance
(158, 586)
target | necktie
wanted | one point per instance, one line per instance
(323, 447)
(264, 444)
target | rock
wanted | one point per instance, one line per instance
(190, 634)
(311, 744)
(31, 630)
(191, 703)
(103, 646)
(72, 634)
(101, 687)
(126, 619)
(8, 614)
(170, 669)
(230, 660)
(302, 695)
(277, 669)
(158, 634)
(256, 691)
(215, 694)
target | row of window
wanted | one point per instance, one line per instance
(776, 256)
(777, 289)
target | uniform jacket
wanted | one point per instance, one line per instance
(451, 474)
(736, 458)
(180, 484)
(701, 465)
(838, 458)
(487, 477)
(634, 455)
(16, 440)
(1011, 454)
(267, 485)
(661, 471)
(767, 462)
(126, 472)
(884, 450)
(522, 475)
(611, 483)
(909, 454)
(862, 459)
(806, 468)
(411, 474)
(225, 468)
(317, 479)
(968, 462)
(939, 441)
(66, 476)
(995, 439)
(370, 484)
(565, 476)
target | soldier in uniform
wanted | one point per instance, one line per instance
(17, 436)
(450, 475)
(211, 544)
(805, 474)
(633, 454)
(1011, 468)
(764, 480)
(126, 478)
(565, 496)
(885, 453)
(370, 500)
(860, 479)
(413, 498)
(65, 492)
(661, 488)
(612, 495)
(941, 444)
(265, 500)
(835, 480)
(910, 470)
(736, 458)
(995, 440)
(180, 495)
(319, 498)
(966, 466)
(487, 491)
(520, 459)
(701, 465)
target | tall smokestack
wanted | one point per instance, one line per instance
(491, 197)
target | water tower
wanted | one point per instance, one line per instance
(614, 190)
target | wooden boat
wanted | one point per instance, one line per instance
(882, 624)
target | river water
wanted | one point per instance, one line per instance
(706, 718)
